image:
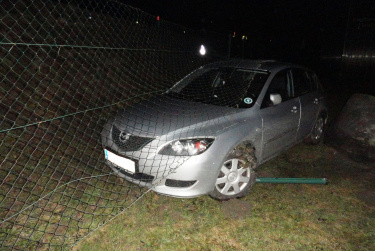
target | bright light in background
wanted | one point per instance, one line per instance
(202, 51)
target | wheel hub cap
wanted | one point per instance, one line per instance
(232, 176)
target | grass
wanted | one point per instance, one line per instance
(337, 216)
(68, 214)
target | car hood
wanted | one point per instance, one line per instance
(163, 115)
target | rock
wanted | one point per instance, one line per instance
(354, 131)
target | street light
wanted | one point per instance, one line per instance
(202, 51)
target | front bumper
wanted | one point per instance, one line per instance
(177, 176)
(173, 176)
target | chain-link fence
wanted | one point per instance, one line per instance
(67, 67)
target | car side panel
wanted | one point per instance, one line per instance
(309, 112)
(280, 127)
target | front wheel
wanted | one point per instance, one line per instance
(235, 179)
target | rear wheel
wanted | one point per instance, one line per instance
(235, 179)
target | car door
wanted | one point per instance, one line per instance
(306, 90)
(280, 121)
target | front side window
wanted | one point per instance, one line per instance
(224, 86)
(280, 85)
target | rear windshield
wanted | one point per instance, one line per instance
(229, 87)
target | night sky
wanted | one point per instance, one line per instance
(243, 15)
(275, 24)
(265, 18)
(305, 32)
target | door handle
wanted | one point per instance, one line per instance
(294, 110)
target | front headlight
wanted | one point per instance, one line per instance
(186, 147)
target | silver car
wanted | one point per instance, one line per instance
(208, 133)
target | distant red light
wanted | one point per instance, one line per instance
(158, 18)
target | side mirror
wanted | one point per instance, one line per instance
(275, 98)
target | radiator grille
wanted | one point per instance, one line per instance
(128, 142)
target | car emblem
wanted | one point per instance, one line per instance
(248, 101)
(123, 137)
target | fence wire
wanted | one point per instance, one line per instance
(67, 67)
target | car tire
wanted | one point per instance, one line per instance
(317, 133)
(235, 179)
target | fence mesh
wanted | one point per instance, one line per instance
(68, 67)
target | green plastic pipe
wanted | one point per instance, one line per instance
(320, 181)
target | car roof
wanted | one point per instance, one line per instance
(263, 65)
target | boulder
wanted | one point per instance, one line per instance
(354, 130)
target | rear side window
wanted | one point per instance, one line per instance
(303, 82)
(317, 83)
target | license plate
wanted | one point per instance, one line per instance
(123, 163)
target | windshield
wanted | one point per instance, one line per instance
(229, 87)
